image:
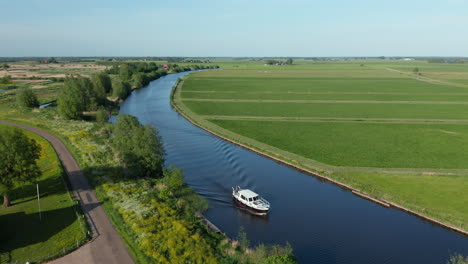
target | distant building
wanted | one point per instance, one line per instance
(166, 66)
(408, 59)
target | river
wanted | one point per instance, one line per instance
(323, 223)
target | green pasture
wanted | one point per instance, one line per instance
(376, 96)
(317, 84)
(384, 145)
(23, 235)
(373, 124)
(331, 110)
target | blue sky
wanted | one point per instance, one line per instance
(233, 28)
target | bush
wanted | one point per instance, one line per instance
(26, 99)
(6, 79)
(159, 229)
(121, 89)
(457, 259)
(102, 85)
(101, 116)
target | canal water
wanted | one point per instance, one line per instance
(322, 222)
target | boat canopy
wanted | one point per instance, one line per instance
(248, 194)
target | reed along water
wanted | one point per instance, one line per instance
(322, 222)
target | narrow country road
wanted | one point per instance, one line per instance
(106, 245)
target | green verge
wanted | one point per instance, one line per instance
(433, 192)
(62, 229)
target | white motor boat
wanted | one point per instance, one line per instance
(251, 201)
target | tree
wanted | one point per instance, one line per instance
(26, 99)
(289, 61)
(76, 96)
(139, 80)
(101, 116)
(6, 79)
(139, 147)
(416, 70)
(271, 62)
(18, 163)
(121, 89)
(102, 85)
(5, 66)
(125, 72)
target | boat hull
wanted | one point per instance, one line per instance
(248, 208)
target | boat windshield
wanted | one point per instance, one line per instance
(255, 198)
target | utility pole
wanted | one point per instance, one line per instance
(39, 202)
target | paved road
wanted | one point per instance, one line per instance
(106, 245)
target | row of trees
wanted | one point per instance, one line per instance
(81, 94)
(139, 147)
(278, 62)
(125, 70)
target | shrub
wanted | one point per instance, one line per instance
(26, 99)
(6, 79)
(102, 85)
(101, 116)
(76, 96)
(121, 89)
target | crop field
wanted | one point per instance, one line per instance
(358, 120)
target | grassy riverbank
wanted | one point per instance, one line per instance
(26, 236)
(393, 134)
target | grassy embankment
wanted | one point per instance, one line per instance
(395, 135)
(131, 204)
(24, 236)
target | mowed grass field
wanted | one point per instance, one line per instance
(23, 235)
(376, 126)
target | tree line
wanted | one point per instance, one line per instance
(279, 62)
(80, 94)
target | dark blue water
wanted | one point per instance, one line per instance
(323, 223)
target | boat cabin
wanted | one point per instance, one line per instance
(248, 195)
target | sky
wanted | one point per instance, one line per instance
(240, 28)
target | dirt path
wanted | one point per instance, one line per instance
(106, 245)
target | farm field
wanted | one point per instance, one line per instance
(351, 121)
(24, 236)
